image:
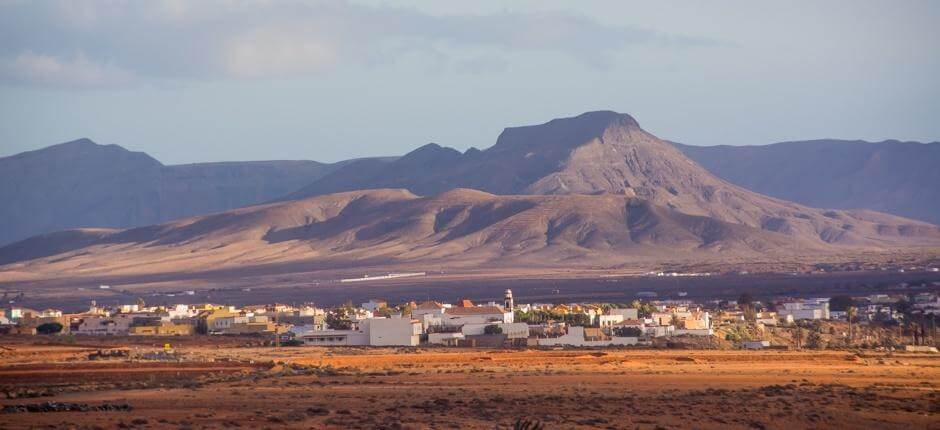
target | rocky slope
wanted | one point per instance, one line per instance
(890, 176)
(594, 190)
(459, 228)
(594, 153)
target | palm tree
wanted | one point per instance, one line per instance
(851, 312)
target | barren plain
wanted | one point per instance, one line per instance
(235, 383)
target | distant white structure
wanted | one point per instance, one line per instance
(810, 309)
(449, 339)
(458, 316)
(508, 302)
(370, 332)
(626, 313)
(609, 320)
(511, 330)
(756, 344)
(380, 277)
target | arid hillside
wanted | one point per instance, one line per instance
(890, 176)
(459, 228)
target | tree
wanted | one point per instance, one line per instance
(338, 319)
(676, 322)
(492, 329)
(49, 328)
(577, 319)
(628, 331)
(141, 303)
(841, 303)
(798, 337)
(814, 340)
(851, 312)
(745, 299)
(643, 309)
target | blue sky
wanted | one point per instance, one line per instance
(190, 81)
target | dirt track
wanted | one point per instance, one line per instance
(441, 388)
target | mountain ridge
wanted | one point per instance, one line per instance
(83, 184)
(595, 189)
(890, 176)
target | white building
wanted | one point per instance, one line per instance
(370, 332)
(609, 320)
(392, 331)
(810, 309)
(511, 330)
(335, 338)
(576, 337)
(458, 316)
(449, 339)
(626, 313)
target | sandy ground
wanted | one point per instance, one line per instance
(304, 387)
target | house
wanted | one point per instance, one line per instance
(392, 331)
(511, 330)
(810, 309)
(458, 316)
(163, 328)
(626, 313)
(767, 318)
(335, 338)
(432, 308)
(104, 326)
(448, 339)
(609, 320)
(243, 324)
(578, 336)
(370, 332)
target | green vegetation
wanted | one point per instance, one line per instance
(49, 328)
(540, 316)
(628, 331)
(338, 319)
(841, 303)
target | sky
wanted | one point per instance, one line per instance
(214, 80)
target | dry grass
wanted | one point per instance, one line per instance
(449, 388)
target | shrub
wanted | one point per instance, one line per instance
(49, 328)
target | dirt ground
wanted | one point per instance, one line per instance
(230, 384)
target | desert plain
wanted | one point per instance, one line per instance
(244, 383)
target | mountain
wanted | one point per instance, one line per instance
(890, 176)
(458, 228)
(594, 153)
(83, 184)
(598, 190)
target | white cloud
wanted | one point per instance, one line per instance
(213, 39)
(267, 52)
(45, 70)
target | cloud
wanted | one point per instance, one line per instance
(44, 70)
(129, 41)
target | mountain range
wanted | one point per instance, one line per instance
(83, 184)
(591, 190)
(890, 176)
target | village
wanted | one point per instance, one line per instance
(873, 321)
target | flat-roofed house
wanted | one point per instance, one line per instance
(458, 316)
